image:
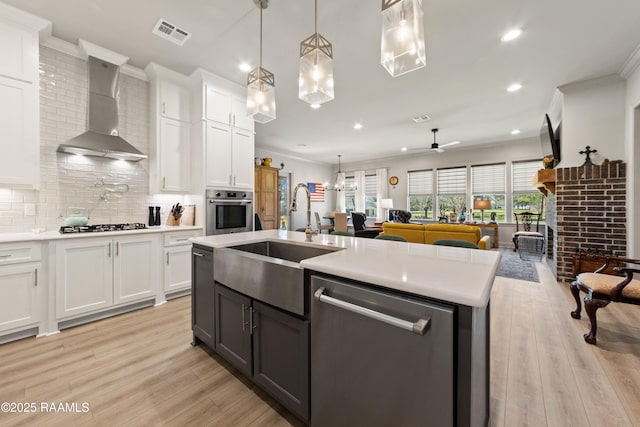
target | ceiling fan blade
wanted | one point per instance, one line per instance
(449, 144)
(438, 150)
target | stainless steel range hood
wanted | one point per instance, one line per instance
(102, 138)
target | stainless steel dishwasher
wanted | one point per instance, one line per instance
(378, 358)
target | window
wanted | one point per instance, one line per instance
(370, 196)
(452, 192)
(349, 195)
(420, 197)
(488, 183)
(525, 196)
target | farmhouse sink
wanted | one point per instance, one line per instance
(268, 271)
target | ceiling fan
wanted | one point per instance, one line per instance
(435, 146)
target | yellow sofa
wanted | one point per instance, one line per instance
(429, 233)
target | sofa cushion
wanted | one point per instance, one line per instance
(468, 233)
(413, 233)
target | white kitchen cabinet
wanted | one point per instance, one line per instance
(19, 95)
(229, 156)
(225, 106)
(170, 122)
(177, 260)
(135, 268)
(92, 274)
(19, 52)
(175, 100)
(19, 286)
(173, 156)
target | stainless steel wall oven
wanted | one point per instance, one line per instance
(229, 211)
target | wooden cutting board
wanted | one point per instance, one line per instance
(189, 215)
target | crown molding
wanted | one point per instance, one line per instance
(631, 64)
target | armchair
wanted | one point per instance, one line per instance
(601, 289)
(358, 219)
(399, 215)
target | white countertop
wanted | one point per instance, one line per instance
(459, 275)
(55, 235)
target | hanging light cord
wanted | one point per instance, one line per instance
(316, 17)
(261, 7)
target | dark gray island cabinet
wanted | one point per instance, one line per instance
(268, 345)
(350, 352)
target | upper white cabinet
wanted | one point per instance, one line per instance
(175, 100)
(170, 120)
(224, 106)
(223, 135)
(19, 95)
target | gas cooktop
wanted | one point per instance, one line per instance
(102, 227)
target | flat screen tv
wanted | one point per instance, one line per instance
(550, 140)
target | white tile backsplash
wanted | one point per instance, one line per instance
(73, 181)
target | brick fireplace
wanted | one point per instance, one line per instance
(590, 208)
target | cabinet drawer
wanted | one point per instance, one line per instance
(176, 238)
(13, 253)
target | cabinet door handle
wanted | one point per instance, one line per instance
(229, 118)
(35, 281)
(230, 180)
(252, 325)
(244, 322)
(182, 240)
(167, 258)
(109, 250)
(164, 111)
(419, 327)
(234, 180)
(117, 248)
(164, 182)
(198, 254)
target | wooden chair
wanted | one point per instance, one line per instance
(527, 225)
(601, 289)
(340, 221)
(321, 227)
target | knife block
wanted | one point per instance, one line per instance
(172, 221)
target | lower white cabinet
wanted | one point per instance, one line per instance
(20, 286)
(177, 260)
(96, 273)
(18, 296)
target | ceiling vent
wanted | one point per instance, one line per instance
(171, 32)
(422, 119)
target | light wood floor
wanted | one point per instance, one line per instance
(139, 369)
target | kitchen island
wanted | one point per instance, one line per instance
(440, 295)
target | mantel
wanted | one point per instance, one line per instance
(545, 181)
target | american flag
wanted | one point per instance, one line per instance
(317, 191)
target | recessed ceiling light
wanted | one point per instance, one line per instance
(514, 87)
(315, 106)
(357, 126)
(403, 149)
(515, 131)
(245, 67)
(511, 35)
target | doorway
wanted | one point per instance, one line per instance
(284, 197)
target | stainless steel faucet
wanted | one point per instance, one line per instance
(308, 231)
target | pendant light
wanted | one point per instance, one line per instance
(261, 93)
(315, 82)
(402, 47)
(340, 185)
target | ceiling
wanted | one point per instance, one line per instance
(462, 88)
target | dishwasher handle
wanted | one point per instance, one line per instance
(419, 327)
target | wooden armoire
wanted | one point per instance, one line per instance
(266, 196)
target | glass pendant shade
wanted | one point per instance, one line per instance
(402, 47)
(316, 70)
(261, 95)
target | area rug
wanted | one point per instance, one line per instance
(513, 267)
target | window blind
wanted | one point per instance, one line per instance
(522, 175)
(370, 185)
(452, 181)
(488, 179)
(420, 183)
(349, 182)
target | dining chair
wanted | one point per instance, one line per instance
(527, 227)
(320, 226)
(340, 221)
(360, 228)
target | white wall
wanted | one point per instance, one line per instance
(304, 171)
(593, 114)
(632, 144)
